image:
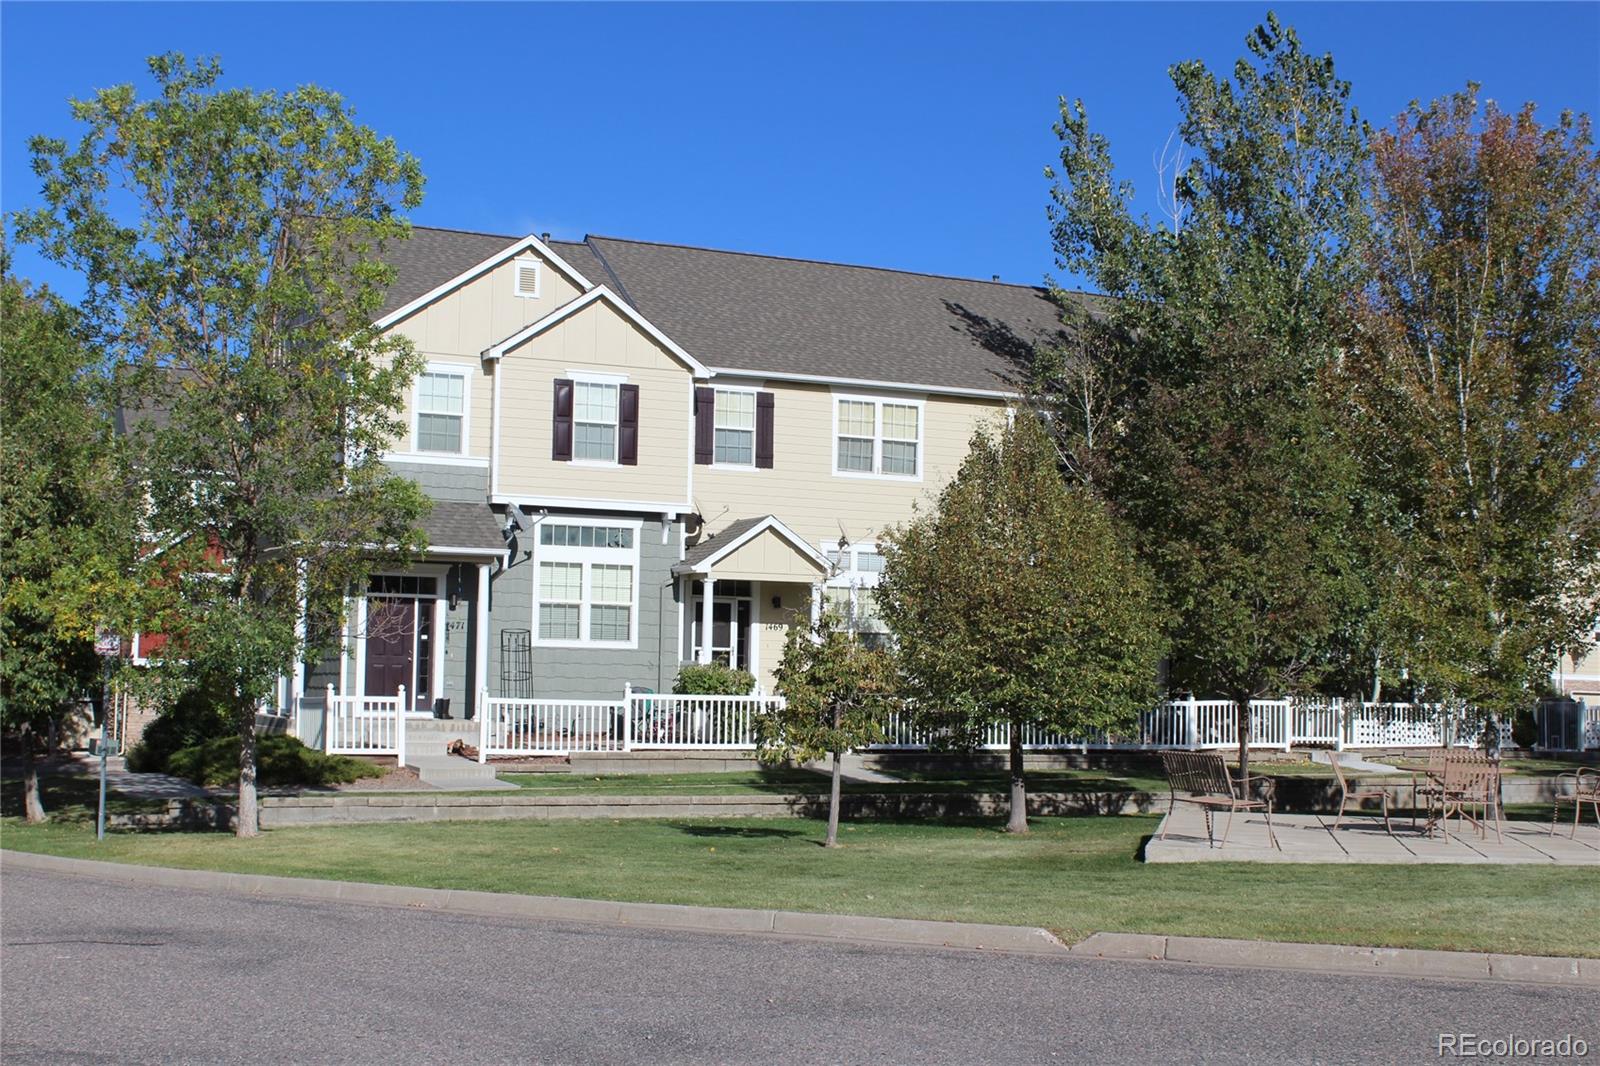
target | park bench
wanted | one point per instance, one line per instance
(1204, 780)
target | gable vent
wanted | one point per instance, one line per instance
(527, 279)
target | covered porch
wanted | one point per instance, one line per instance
(740, 589)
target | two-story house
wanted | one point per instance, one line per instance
(646, 454)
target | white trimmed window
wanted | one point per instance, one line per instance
(853, 590)
(441, 406)
(877, 437)
(587, 584)
(594, 421)
(525, 280)
(735, 424)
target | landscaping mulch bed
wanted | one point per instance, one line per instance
(395, 778)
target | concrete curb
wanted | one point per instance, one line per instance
(906, 932)
(1340, 958)
(852, 928)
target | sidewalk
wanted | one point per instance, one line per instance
(125, 782)
(1323, 958)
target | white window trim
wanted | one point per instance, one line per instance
(590, 377)
(516, 277)
(877, 402)
(464, 372)
(561, 553)
(755, 430)
(852, 578)
(440, 573)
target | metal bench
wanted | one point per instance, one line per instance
(1204, 778)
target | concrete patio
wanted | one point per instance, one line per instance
(1361, 838)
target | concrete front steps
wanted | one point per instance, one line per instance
(425, 753)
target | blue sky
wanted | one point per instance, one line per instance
(903, 135)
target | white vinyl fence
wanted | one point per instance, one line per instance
(365, 725)
(641, 721)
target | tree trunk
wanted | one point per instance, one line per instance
(1019, 789)
(1242, 713)
(32, 805)
(245, 822)
(833, 803)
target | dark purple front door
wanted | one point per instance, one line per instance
(391, 645)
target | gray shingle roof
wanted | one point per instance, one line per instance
(431, 257)
(715, 542)
(757, 312)
(743, 311)
(463, 525)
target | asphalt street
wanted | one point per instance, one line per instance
(103, 973)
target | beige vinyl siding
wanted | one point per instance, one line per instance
(598, 339)
(772, 624)
(457, 327)
(803, 491)
(767, 556)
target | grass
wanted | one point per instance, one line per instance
(786, 781)
(1071, 875)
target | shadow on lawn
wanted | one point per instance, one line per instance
(743, 831)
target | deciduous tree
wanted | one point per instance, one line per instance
(1473, 364)
(837, 692)
(66, 552)
(227, 240)
(1018, 600)
(1225, 455)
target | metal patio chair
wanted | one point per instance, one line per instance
(1205, 778)
(1357, 793)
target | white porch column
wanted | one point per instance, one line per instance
(703, 652)
(297, 683)
(480, 664)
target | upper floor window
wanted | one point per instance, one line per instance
(442, 410)
(735, 427)
(594, 421)
(877, 437)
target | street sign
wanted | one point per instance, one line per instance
(107, 645)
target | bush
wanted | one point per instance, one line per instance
(280, 760)
(197, 717)
(712, 679)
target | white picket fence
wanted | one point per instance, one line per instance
(364, 725)
(638, 722)
(376, 725)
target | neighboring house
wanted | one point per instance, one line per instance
(644, 455)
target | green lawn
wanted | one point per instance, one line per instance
(1071, 875)
(750, 782)
(71, 798)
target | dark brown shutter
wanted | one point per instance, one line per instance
(764, 430)
(628, 425)
(705, 420)
(561, 426)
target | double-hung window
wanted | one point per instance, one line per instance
(442, 410)
(588, 588)
(735, 428)
(877, 437)
(852, 590)
(594, 421)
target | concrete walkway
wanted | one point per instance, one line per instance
(125, 782)
(852, 768)
(1361, 839)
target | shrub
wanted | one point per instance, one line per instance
(280, 760)
(197, 717)
(712, 679)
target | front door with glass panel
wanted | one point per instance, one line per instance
(730, 625)
(399, 638)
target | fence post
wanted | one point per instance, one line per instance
(483, 726)
(400, 727)
(627, 716)
(328, 716)
(1191, 725)
(1339, 719)
(1288, 722)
